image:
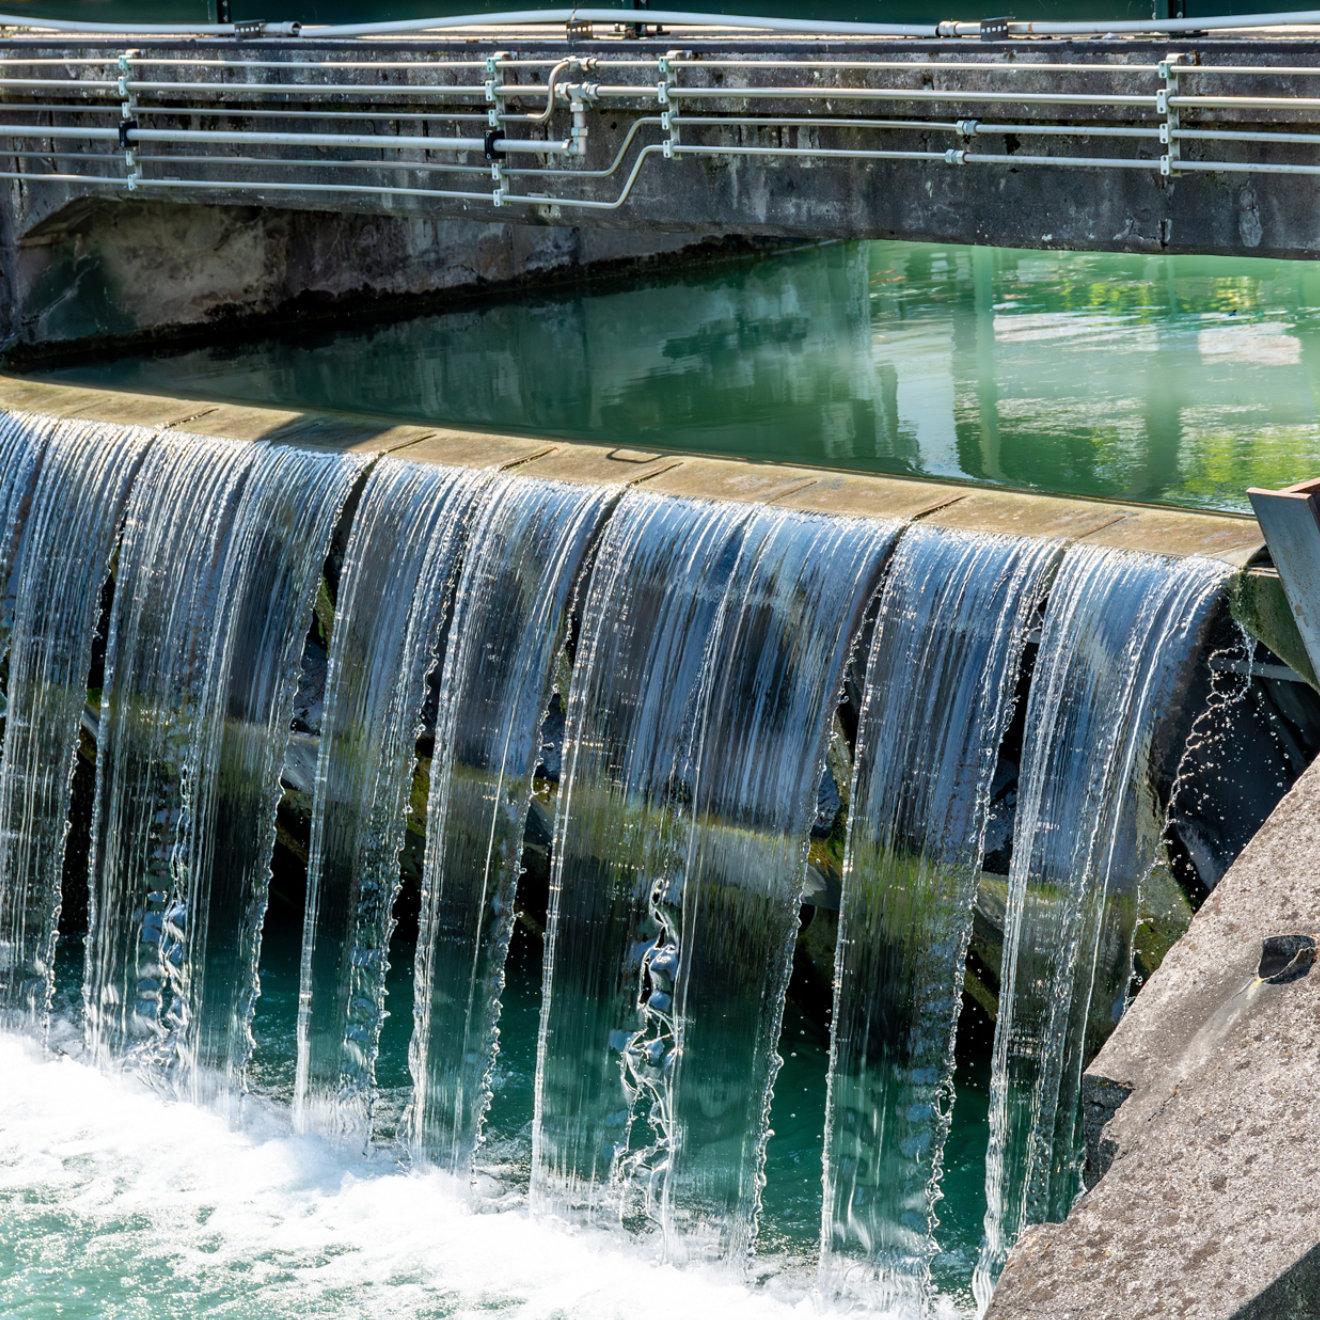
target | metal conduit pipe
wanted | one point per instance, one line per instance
(41, 107)
(1244, 102)
(1233, 135)
(1127, 27)
(504, 19)
(551, 83)
(1243, 167)
(977, 128)
(989, 65)
(606, 173)
(57, 133)
(382, 116)
(356, 140)
(138, 29)
(429, 167)
(677, 18)
(309, 90)
(673, 18)
(891, 94)
(265, 185)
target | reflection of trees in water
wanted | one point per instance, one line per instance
(1155, 378)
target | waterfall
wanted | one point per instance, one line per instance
(282, 529)
(656, 591)
(715, 981)
(177, 531)
(221, 555)
(521, 563)
(22, 443)
(940, 681)
(1121, 632)
(712, 650)
(700, 648)
(76, 506)
(400, 564)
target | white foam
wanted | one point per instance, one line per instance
(117, 1202)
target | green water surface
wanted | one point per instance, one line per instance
(1173, 380)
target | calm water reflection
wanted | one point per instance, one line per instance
(1178, 380)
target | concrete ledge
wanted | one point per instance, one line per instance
(1235, 540)
(1208, 1208)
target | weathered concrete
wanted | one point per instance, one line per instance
(1208, 1208)
(108, 272)
(102, 260)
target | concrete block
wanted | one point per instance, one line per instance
(1208, 1208)
(597, 465)
(1011, 513)
(1235, 540)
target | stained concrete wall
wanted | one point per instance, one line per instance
(99, 273)
(1208, 1207)
(95, 262)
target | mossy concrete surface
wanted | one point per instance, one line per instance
(1208, 1207)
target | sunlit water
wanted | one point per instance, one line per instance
(1179, 380)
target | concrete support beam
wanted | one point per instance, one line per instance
(1207, 1210)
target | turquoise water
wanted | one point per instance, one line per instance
(1175, 380)
(118, 1202)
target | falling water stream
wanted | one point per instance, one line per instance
(181, 512)
(398, 576)
(69, 537)
(1115, 655)
(520, 567)
(940, 684)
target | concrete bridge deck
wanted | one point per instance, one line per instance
(183, 181)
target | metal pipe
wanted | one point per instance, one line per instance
(380, 116)
(430, 167)
(267, 185)
(586, 204)
(963, 157)
(139, 29)
(652, 17)
(531, 17)
(520, 16)
(1244, 102)
(58, 132)
(978, 128)
(372, 142)
(822, 121)
(991, 64)
(551, 83)
(309, 90)
(1233, 135)
(593, 174)
(891, 94)
(1242, 167)
(1219, 22)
